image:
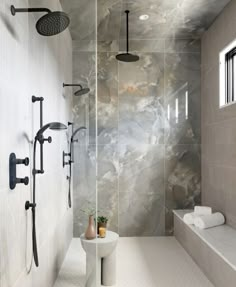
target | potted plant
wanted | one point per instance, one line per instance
(90, 211)
(101, 222)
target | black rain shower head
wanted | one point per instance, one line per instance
(52, 126)
(82, 91)
(50, 24)
(127, 57)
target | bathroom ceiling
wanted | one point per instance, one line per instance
(167, 18)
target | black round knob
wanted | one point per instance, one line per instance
(49, 139)
(27, 205)
(26, 161)
(25, 180)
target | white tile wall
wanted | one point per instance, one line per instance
(32, 65)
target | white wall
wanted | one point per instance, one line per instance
(32, 65)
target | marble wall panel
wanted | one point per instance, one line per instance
(84, 73)
(84, 185)
(141, 100)
(147, 163)
(182, 94)
(107, 107)
(107, 184)
(182, 179)
(141, 190)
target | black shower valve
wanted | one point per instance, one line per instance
(13, 179)
(64, 162)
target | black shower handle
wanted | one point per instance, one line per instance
(24, 180)
(24, 161)
(49, 139)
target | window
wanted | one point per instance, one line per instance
(228, 75)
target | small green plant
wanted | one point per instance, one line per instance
(102, 219)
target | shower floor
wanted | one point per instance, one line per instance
(141, 262)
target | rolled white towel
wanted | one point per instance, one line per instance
(189, 218)
(202, 210)
(209, 220)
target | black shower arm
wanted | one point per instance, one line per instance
(72, 85)
(28, 10)
(127, 31)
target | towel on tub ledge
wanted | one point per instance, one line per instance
(202, 210)
(189, 218)
(209, 220)
(198, 210)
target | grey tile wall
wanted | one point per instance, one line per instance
(218, 125)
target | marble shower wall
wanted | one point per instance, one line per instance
(148, 152)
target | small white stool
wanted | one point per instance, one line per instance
(100, 260)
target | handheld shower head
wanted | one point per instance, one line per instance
(52, 126)
(76, 131)
(53, 23)
(82, 91)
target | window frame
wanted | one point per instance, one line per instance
(227, 58)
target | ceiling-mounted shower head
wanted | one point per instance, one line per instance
(52, 126)
(53, 23)
(127, 57)
(82, 91)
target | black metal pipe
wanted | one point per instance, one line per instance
(72, 85)
(34, 237)
(28, 10)
(41, 143)
(127, 30)
(33, 208)
(40, 99)
(41, 114)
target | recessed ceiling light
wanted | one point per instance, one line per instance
(144, 17)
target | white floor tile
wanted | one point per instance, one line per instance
(141, 262)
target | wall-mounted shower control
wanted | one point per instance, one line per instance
(64, 155)
(13, 180)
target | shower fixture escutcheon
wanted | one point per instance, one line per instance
(64, 155)
(13, 179)
(53, 23)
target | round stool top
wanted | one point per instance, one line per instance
(110, 237)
